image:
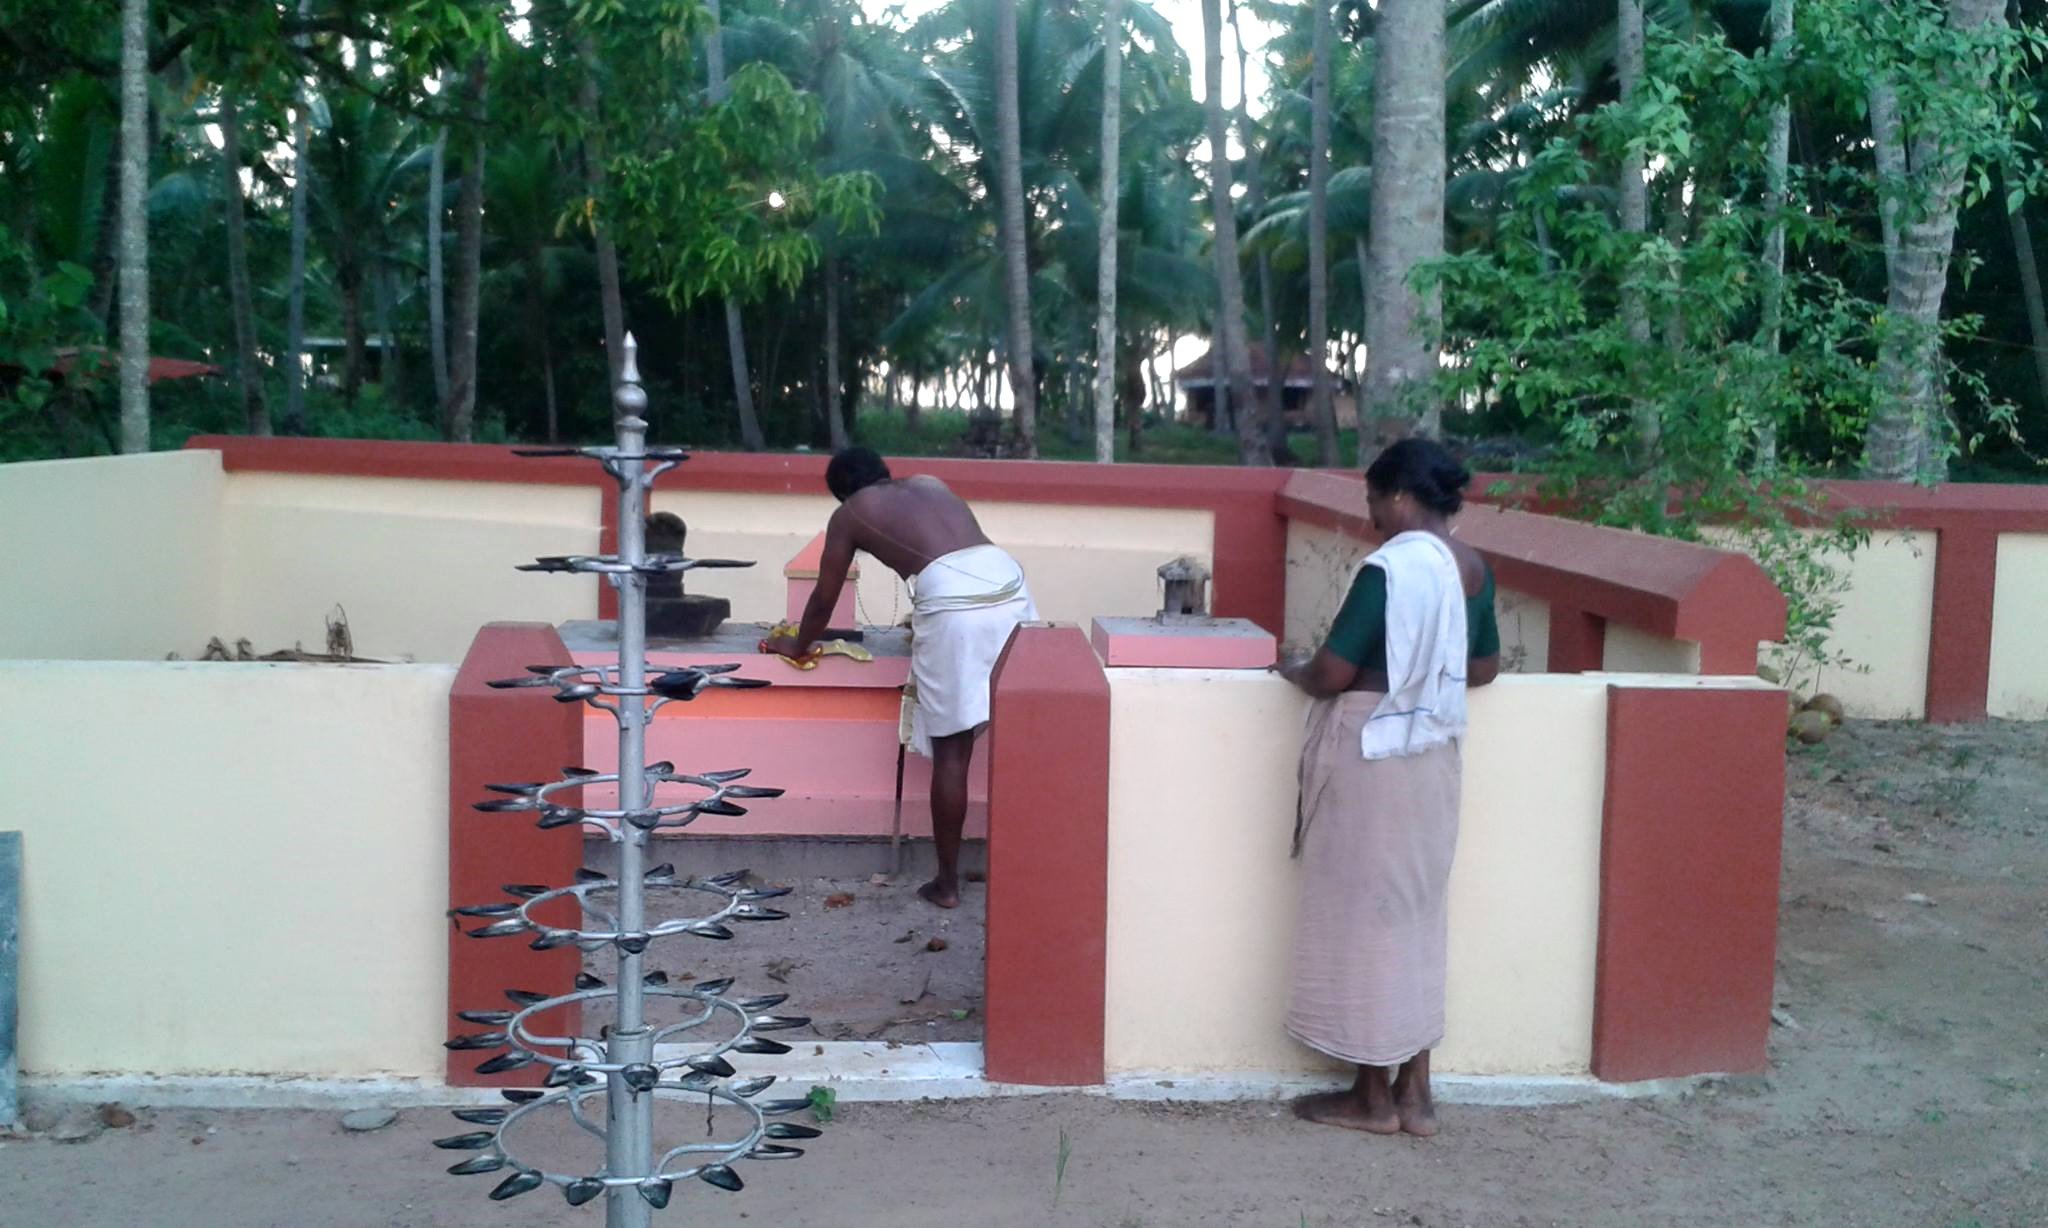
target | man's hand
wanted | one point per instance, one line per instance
(783, 646)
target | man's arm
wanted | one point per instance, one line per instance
(832, 569)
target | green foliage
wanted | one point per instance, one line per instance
(724, 210)
(824, 1102)
(1536, 334)
(40, 314)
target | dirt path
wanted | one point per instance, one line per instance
(1910, 1087)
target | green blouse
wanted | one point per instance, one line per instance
(1360, 633)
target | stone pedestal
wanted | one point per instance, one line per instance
(1188, 642)
(685, 615)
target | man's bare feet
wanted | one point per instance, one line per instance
(938, 895)
(1346, 1109)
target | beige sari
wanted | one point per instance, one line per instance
(1375, 838)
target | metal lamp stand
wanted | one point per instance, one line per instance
(619, 1066)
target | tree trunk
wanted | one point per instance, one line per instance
(1908, 433)
(1635, 207)
(248, 374)
(390, 372)
(1364, 301)
(1255, 196)
(537, 326)
(437, 281)
(295, 287)
(348, 278)
(611, 301)
(2030, 286)
(1888, 148)
(835, 420)
(1016, 265)
(1407, 219)
(1675, 231)
(1232, 347)
(1321, 409)
(101, 301)
(1777, 171)
(133, 242)
(1106, 231)
(459, 412)
(735, 328)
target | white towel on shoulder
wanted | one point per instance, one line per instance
(1425, 702)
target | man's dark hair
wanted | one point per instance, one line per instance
(1424, 470)
(854, 470)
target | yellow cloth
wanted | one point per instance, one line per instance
(842, 648)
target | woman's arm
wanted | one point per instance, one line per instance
(1483, 670)
(1321, 675)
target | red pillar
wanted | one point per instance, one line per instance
(1250, 560)
(505, 736)
(1048, 860)
(1578, 641)
(1689, 860)
(1959, 637)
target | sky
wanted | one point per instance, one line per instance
(1186, 18)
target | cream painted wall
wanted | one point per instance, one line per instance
(1881, 628)
(1082, 562)
(1628, 650)
(418, 566)
(1201, 889)
(230, 868)
(1524, 631)
(2019, 662)
(1320, 566)
(109, 558)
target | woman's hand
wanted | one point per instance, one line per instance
(1291, 663)
(1321, 674)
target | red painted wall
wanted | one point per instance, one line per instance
(1048, 860)
(504, 736)
(1689, 859)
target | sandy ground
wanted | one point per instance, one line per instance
(1910, 1086)
(856, 957)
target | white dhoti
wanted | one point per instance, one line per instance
(964, 606)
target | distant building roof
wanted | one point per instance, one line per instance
(1200, 373)
(160, 369)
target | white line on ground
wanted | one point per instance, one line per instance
(856, 1071)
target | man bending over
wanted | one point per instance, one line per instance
(966, 597)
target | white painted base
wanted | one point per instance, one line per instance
(858, 1071)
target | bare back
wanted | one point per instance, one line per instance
(908, 522)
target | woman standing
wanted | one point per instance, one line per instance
(1378, 817)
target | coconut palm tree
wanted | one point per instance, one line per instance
(248, 374)
(1233, 348)
(1106, 231)
(1323, 411)
(1409, 172)
(133, 228)
(1009, 156)
(735, 327)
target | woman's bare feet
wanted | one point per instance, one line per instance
(1413, 1103)
(940, 895)
(1346, 1109)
